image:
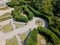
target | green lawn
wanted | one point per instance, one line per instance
(12, 41)
(23, 36)
(6, 28)
(19, 25)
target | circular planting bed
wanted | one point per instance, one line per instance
(39, 22)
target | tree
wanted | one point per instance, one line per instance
(56, 23)
(56, 5)
(43, 6)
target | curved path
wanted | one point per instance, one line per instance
(30, 25)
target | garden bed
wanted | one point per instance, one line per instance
(7, 28)
(12, 41)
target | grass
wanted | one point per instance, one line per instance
(19, 25)
(39, 37)
(5, 17)
(12, 41)
(23, 36)
(6, 28)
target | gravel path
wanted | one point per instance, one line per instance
(4, 36)
(30, 25)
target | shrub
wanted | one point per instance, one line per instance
(52, 36)
(13, 3)
(32, 38)
(30, 14)
(18, 17)
(38, 14)
(56, 31)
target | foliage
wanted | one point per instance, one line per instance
(32, 38)
(56, 5)
(56, 31)
(30, 15)
(43, 6)
(17, 15)
(13, 3)
(56, 23)
(46, 9)
(55, 40)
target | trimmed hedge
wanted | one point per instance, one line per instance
(32, 38)
(50, 35)
(21, 18)
(12, 4)
(41, 15)
(18, 17)
(56, 31)
(30, 15)
(38, 14)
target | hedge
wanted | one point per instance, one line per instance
(30, 15)
(56, 31)
(12, 4)
(41, 15)
(19, 17)
(32, 38)
(50, 35)
(38, 14)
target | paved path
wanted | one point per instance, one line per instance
(31, 24)
(13, 25)
(19, 40)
